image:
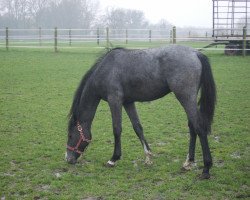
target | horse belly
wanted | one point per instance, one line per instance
(145, 91)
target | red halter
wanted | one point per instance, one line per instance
(81, 139)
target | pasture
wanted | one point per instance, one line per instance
(36, 91)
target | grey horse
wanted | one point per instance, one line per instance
(125, 76)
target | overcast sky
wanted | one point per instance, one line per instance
(178, 12)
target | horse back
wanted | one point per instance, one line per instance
(143, 75)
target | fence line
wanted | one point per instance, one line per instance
(104, 38)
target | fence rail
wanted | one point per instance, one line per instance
(106, 38)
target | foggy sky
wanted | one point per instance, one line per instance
(178, 12)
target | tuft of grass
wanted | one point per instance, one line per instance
(36, 90)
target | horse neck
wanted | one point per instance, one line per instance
(88, 106)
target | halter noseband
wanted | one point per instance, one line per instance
(81, 139)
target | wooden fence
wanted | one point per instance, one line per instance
(103, 38)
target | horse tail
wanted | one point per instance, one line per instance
(208, 93)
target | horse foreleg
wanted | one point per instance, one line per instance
(133, 116)
(116, 112)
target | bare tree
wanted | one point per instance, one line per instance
(36, 9)
(48, 13)
(125, 18)
(70, 14)
(163, 24)
(89, 12)
(15, 11)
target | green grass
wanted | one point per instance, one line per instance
(36, 89)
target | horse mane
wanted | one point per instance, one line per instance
(75, 111)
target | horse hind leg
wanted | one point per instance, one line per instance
(196, 124)
(133, 116)
(190, 160)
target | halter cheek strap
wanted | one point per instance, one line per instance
(81, 139)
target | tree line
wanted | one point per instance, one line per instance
(84, 14)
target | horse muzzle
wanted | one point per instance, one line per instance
(70, 158)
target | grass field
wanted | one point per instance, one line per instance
(36, 89)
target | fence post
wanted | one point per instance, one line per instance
(150, 35)
(55, 39)
(40, 36)
(170, 36)
(107, 37)
(70, 40)
(98, 36)
(126, 36)
(244, 45)
(7, 38)
(174, 35)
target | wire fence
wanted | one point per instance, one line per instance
(107, 38)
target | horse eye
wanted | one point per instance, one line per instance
(70, 136)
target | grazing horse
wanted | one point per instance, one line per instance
(123, 76)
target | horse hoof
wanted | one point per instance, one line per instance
(188, 166)
(110, 164)
(204, 176)
(148, 160)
